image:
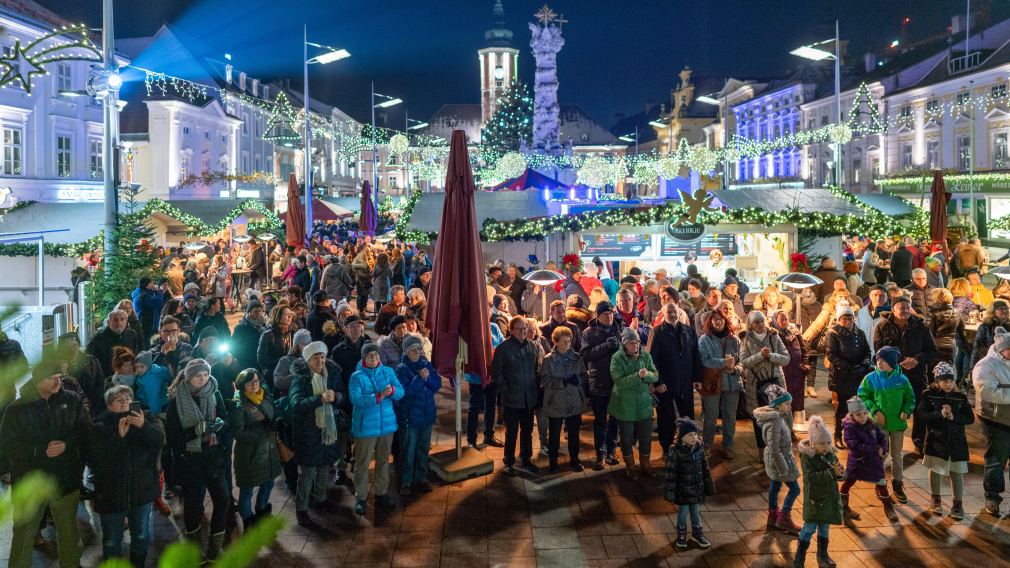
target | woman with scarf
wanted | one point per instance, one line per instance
(257, 463)
(762, 355)
(196, 421)
(796, 370)
(721, 382)
(318, 401)
(373, 388)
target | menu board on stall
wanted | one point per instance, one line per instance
(616, 245)
(726, 242)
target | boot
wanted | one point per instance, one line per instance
(957, 511)
(823, 560)
(249, 522)
(899, 492)
(811, 392)
(194, 537)
(773, 515)
(936, 505)
(215, 546)
(784, 522)
(159, 502)
(846, 510)
(800, 421)
(699, 537)
(629, 465)
(646, 465)
(681, 542)
(265, 511)
(889, 512)
(838, 440)
(801, 553)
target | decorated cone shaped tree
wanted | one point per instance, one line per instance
(512, 121)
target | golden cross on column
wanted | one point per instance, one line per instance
(546, 15)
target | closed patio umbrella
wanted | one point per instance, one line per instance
(294, 234)
(369, 216)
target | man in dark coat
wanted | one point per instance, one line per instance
(320, 313)
(46, 431)
(600, 340)
(115, 333)
(246, 337)
(909, 334)
(514, 371)
(338, 280)
(83, 368)
(257, 265)
(921, 294)
(390, 310)
(213, 316)
(422, 281)
(674, 349)
(828, 273)
(169, 350)
(302, 278)
(901, 267)
(559, 319)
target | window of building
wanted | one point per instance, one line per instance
(259, 163)
(998, 91)
(999, 151)
(205, 165)
(95, 157)
(184, 165)
(906, 156)
(933, 153)
(64, 80)
(224, 138)
(64, 165)
(12, 151)
(963, 153)
(906, 111)
(962, 98)
(185, 131)
(857, 166)
(245, 123)
(933, 106)
(824, 120)
(245, 163)
(206, 135)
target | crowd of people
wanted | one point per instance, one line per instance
(316, 385)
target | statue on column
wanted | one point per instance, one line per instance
(546, 43)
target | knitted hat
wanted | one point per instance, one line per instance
(302, 337)
(397, 320)
(603, 307)
(755, 315)
(1002, 339)
(635, 271)
(207, 333)
(891, 355)
(188, 297)
(943, 371)
(684, 427)
(817, 431)
(730, 280)
(312, 349)
(145, 358)
(628, 335)
(195, 366)
(252, 305)
(844, 310)
(856, 405)
(46, 369)
(899, 299)
(777, 395)
(369, 348)
(353, 319)
(192, 286)
(412, 342)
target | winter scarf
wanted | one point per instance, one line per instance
(128, 380)
(325, 420)
(196, 407)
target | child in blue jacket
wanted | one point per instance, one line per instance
(420, 383)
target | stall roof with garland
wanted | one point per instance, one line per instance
(213, 211)
(84, 220)
(427, 214)
(777, 200)
(887, 204)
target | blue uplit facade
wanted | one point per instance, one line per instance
(774, 114)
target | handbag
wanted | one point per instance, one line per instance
(286, 453)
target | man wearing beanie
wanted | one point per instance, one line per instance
(321, 312)
(889, 399)
(600, 340)
(373, 389)
(822, 506)
(991, 379)
(321, 408)
(45, 431)
(391, 346)
(910, 335)
(514, 371)
(82, 367)
(245, 339)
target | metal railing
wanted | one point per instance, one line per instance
(964, 63)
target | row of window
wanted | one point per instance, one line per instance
(962, 98)
(13, 154)
(1000, 153)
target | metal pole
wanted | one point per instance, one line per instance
(308, 138)
(375, 155)
(838, 106)
(110, 138)
(971, 159)
(406, 157)
(42, 269)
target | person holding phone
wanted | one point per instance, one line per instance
(125, 447)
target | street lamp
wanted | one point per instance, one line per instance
(389, 102)
(724, 117)
(329, 56)
(104, 84)
(631, 137)
(817, 54)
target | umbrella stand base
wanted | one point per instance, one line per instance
(450, 470)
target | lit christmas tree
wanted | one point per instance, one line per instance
(512, 121)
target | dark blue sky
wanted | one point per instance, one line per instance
(616, 56)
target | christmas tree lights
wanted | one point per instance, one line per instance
(511, 125)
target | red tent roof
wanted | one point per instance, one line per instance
(530, 179)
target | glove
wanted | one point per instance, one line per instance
(572, 380)
(215, 426)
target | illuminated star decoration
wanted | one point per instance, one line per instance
(25, 61)
(546, 15)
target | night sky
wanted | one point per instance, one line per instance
(617, 55)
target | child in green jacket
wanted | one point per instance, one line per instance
(822, 505)
(890, 400)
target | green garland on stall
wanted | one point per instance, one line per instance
(54, 249)
(19, 205)
(418, 237)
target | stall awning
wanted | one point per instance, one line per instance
(887, 204)
(85, 220)
(530, 179)
(211, 211)
(808, 200)
(498, 205)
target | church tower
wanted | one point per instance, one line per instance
(498, 63)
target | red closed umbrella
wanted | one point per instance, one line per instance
(457, 302)
(323, 211)
(939, 196)
(294, 234)
(369, 216)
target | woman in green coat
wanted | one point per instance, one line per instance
(631, 401)
(252, 420)
(822, 505)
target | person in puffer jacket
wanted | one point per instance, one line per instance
(775, 421)
(762, 355)
(563, 380)
(688, 481)
(991, 378)
(372, 390)
(420, 382)
(867, 444)
(946, 412)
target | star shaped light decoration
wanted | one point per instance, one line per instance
(546, 15)
(19, 67)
